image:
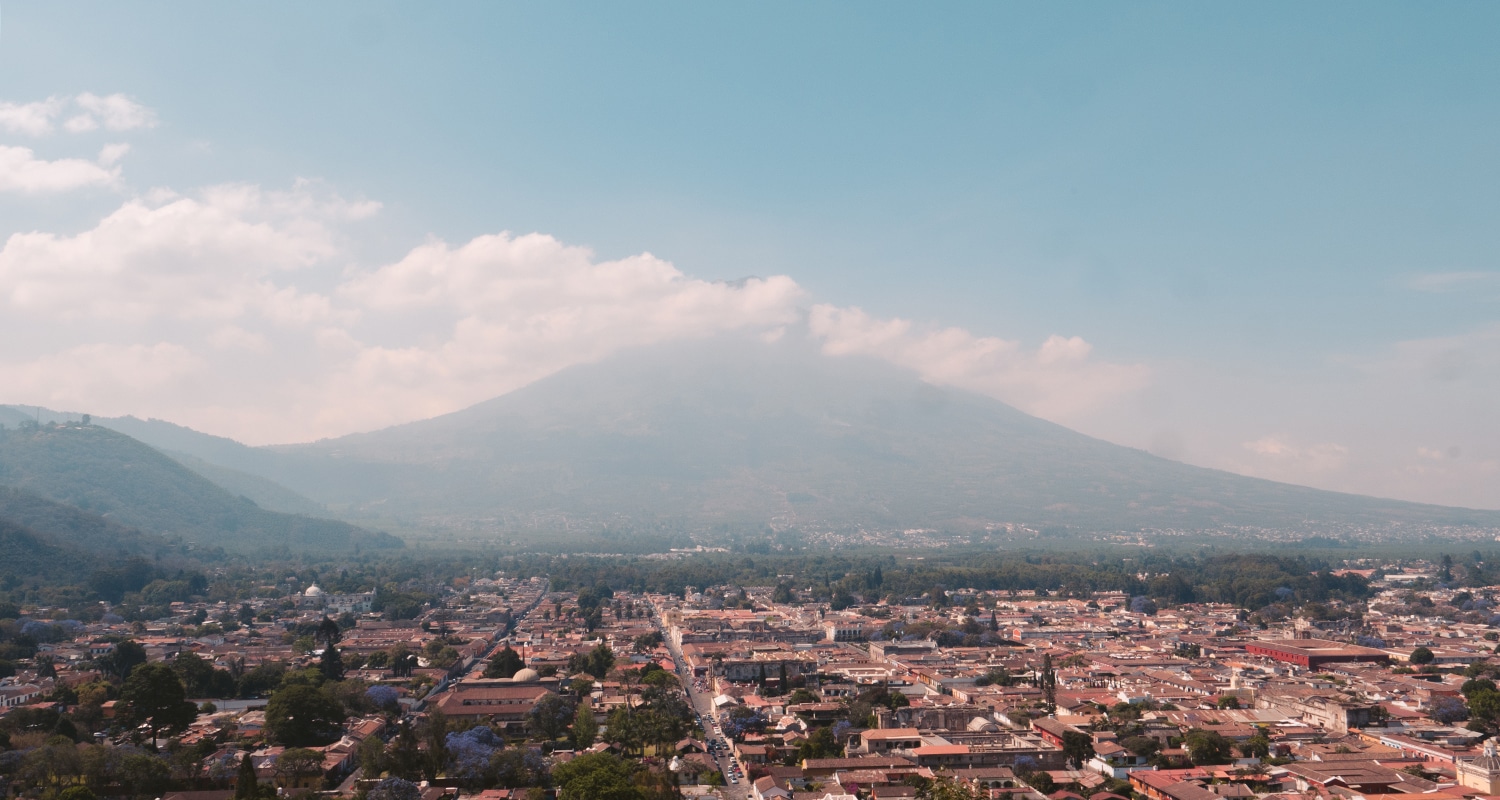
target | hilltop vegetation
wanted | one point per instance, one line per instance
(52, 541)
(132, 485)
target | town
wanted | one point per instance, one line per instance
(502, 686)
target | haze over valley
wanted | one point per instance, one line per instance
(749, 401)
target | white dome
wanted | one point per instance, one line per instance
(525, 675)
(313, 591)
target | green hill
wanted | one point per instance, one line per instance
(41, 538)
(133, 485)
(74, 528)
(225, 462)
(29, 555)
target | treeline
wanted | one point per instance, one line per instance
(1247, 580)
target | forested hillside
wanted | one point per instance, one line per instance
(133, 485)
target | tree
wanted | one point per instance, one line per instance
(395, 789)
(52, 765)
(1141, 746)
(153, 697)
(435, 731)
(246, 784)
(1207, 747)
(403, 758)
(1448, 710)
(1078, 747)
(1142, 604)
(597, 662)
(142, 774)
(302, 716)
(200, 678)
(1042, 782)
(371, 757)
(128, 655)
(1421, 655)
(1257, 746)
(596, 776)
(1474, 685)
(585, 728)
(800, 697)
(385, 698)
(550, 715)
(1049, 683)
(821, 744)
(331, 663)
(470, 753)
(505, 664)
(329, 632)
(297, 763)
(944, 788)
(515, 767)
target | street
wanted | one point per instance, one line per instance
(702, 705)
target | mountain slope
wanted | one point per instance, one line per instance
(41, 538)
(29, 555)
(225, 462)
(718, 432)
(74, 528)
(129, 483)
(265, 493)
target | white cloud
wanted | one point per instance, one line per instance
(89, 112)
(31, 119)
(22, 172)
(1057, 380)
(1451, 281)
(1322, 457)
(106, 378)
(82, 123)
(114, 112)
(110, 154)
(277, 338)
(210, 257)
(1468, 359)
(517, 308)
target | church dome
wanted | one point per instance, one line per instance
(525, 675)
(1489, 762)
(313, 591)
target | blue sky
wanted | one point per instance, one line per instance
(1276, 219)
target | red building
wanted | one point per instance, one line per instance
(1314, 653)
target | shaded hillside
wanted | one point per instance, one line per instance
(265, 493)
(29, 555)
(75, 529)
(110, 474)
(222, 461)
(717, 432)
(176, 440)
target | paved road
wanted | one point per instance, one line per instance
(702, 703)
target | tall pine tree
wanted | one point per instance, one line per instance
(246, 785)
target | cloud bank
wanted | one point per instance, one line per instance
(240, 311)
(84, 113)
(245, 311)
